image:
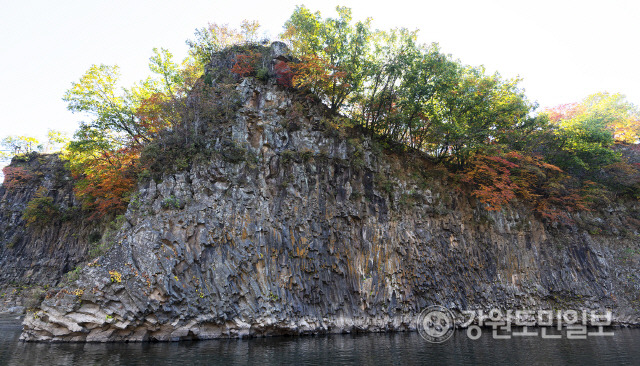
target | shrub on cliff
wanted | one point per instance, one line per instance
(40, 210)
(19, 176)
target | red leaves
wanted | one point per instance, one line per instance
(490, 177)
(245, 64)
(284, 75)
(16, 177)
(498, 179)
(564, 111)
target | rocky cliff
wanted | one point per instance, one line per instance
(35, 257)
(296, 227)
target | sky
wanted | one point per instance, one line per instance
(563, 50)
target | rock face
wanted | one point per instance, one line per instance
(37, 256)
(296, 229)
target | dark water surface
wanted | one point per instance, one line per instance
(370, 349)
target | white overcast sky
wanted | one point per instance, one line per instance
(563, 49)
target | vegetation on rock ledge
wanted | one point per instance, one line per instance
(480, 127)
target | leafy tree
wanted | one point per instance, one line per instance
(216, 37)
(56, 140)
(246, 63)
(112, 110)
(18, 176)
(602, 111)
(392, 54)
(332, 53)
(171, 77)
(16, 145)
(496, 178)
(584, 134)
(476, 112)
(40, 210)
(104, 155)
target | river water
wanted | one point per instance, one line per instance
(623, 348)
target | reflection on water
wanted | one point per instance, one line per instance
(369, 349)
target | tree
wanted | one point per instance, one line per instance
(392, 54)
(477, 112)
(171, 77)
(497, 177)
(215, 37)
(112, 110)
(619, 116)
(103, 156)
(56, 140)
(16, 145)
(332, 53)
(585, 132)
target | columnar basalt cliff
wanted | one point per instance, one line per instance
(35, 257)
(295, 228)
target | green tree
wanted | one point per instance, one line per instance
(112, 109)
(170, 75)
(332, 53)
(56, 140)
(392, 54)
(616, 113)
(478, 111)
(585, 132)
(16, 145)
(104, 154)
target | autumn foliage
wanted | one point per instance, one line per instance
(246, 63)
(154, 115)
(476, 125)
(284, 74)
(499, 178)
(316, 73)
(17, 176)
(104, 182)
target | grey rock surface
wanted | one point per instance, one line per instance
(35, 257)
(315, 233)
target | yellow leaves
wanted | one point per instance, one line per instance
(78, 292)
(115, 276)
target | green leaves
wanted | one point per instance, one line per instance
(407, 92)
(16, 145)
(333, 53)
(585, 132)
(97, 94)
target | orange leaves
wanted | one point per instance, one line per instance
(245, 64)
(491, 178)
(105, 181)
(16, 177)
(151, 114)
(498, 179)
(317, 73)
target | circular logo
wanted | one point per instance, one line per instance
(436, 324)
